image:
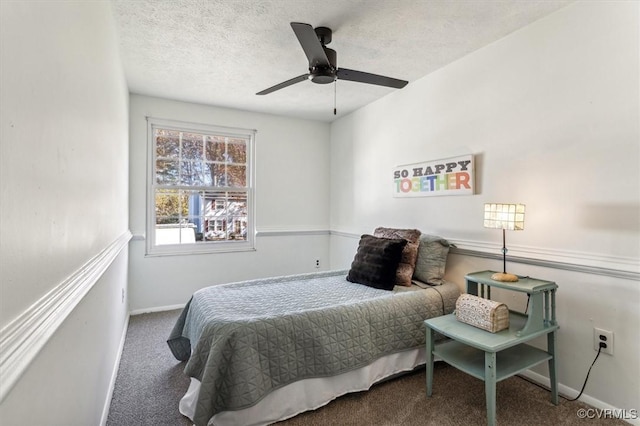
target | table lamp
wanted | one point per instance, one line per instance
(504, 216)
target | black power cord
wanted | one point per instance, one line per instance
(600, 346)
(584, 385)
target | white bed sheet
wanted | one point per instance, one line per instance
(308, 394)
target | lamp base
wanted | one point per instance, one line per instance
(504, 277)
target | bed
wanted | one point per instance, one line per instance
(265, 350)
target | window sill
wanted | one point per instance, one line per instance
(198, 248)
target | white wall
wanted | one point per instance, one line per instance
(551, 114)
(292, 204)
(64, 186)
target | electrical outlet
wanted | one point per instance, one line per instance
(317, 263)
(605, 337)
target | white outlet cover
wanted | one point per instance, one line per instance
(597, 332)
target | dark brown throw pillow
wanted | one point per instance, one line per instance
(376, 262)
(409, 254)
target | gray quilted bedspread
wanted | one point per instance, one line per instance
(246, 339)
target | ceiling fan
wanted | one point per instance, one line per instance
(323, 66)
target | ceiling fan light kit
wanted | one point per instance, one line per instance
(323, 62)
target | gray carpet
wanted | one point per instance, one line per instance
(150, 383)
(150, 380)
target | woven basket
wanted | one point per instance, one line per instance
(482, 313)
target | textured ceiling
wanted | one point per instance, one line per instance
(221, 52)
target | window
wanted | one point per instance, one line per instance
(200, 191)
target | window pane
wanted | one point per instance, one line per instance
(167, 172)
(237, 151)
(208, 174)
(175, 234)
(173, 224)
(171, 206)
(192, 146)
(237, 216)
(185, 217)
(237, 176)
(167, 143)
(225, 216)
(215, 175)
(191, 173)
(215, 148)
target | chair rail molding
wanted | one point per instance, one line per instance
(291, 231)
(591, 263)
(22, 339)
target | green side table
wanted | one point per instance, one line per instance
(492, 357)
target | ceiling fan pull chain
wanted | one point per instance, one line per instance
(335, 85)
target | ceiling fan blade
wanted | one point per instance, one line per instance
(365, 77)
(310, 44)
(284, 84)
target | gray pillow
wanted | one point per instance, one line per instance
(432, 259)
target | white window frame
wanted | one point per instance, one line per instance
(152, 249)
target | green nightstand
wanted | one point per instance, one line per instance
(496, 356)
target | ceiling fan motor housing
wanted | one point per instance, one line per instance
(325, 74)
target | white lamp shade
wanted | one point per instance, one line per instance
(504, 216)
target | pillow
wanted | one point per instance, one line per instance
(432, 259)
(376, 262)
(409, 254)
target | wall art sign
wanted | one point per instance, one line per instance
(449, 176)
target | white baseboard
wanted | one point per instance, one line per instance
(572, 393)
(157, 309)
(114, 375)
